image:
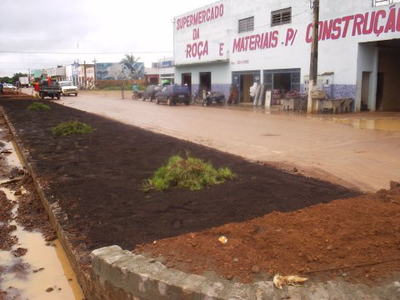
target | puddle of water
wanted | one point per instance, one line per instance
(392, 125)
(13, 159)
(44, 266)
(389, 124)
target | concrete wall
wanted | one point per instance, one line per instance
(119, 274)
(220, 76)
(68, 72)
(367, 61)
(57, 72)
(198, 34)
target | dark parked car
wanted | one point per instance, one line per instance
(151, 91)
(173, 94)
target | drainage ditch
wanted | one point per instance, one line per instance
(32, 268)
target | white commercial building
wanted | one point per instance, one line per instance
(58, 73)
(161, 71)
(242, 42)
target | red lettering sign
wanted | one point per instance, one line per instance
(197, 50)
(203, 16)
(358, 24)
(256, 42)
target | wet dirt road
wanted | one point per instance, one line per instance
(329, 147)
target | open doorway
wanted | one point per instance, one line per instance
(280, 82)
(365, 87)
(388, 77)
(205, 81)
(245, 84)
(244, 81)
(187, 79)
(379, 90)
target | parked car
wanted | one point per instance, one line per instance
(173, 94)
(151, 91)
(9, 86)
(68, 88)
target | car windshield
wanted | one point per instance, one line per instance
(65, 83)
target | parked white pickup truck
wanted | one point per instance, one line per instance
(68, 88)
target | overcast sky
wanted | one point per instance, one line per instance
(43, 34)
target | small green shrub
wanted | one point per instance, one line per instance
(38, 106)
(191, 173)
(70, 128)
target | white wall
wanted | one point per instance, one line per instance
(290, 48)
(367, 62)
(169, 70)
(205, 40)
(278, 54)
(341, 54)
(220, 73)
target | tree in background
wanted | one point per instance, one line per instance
(16, 77)
(5, 79)
(131, 62)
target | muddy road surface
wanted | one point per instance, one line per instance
(322, 146)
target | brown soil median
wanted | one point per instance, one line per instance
(96, 179)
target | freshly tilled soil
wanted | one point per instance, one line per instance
(97, 181)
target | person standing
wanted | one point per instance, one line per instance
(36, 88)
(122, 90)
(18, 85)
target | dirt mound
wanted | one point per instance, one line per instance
(357, 239)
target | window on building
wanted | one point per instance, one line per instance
(383, 2)
(282, 16)
(246, 24)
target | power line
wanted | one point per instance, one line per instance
(81, 53)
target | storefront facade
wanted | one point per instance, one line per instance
(269, 42)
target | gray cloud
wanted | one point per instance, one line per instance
(48, 29)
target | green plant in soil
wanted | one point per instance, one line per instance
(70, 128)
(38, 106)
(190, 173)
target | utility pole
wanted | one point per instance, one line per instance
(84, 74)
(94, 68)
(314, 57)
